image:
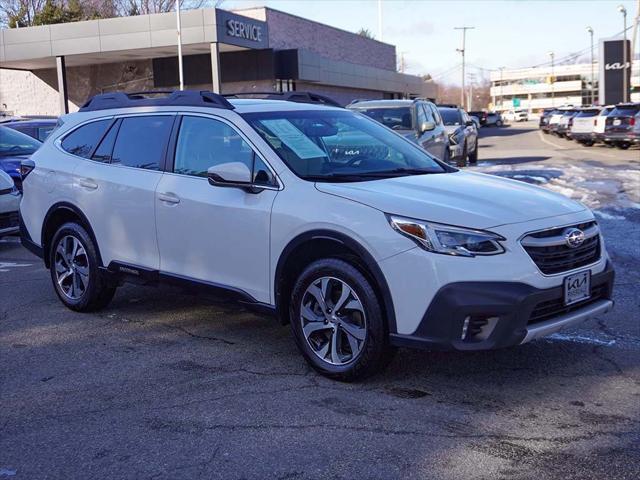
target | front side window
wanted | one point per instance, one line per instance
(205, 142)
(328, 145)
(141, 141)
(13, 142)
(83, 140)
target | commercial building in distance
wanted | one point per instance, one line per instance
(534, 89)
(258, 49)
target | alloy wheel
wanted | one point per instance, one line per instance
(71, 265)
(333, 321)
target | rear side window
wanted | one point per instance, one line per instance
(44, 132)
(141, 141)
(83, 140)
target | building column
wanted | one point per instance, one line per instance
(62, 85)
(215, 68)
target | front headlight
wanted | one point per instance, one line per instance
(449, 240)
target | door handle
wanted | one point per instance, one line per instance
(88, 183)
(169, 198)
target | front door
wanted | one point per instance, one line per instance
(214, 234)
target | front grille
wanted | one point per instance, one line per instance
(8, 220)
(553, 308)
(550, 252)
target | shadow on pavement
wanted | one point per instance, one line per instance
(503, 131)
(511, 161)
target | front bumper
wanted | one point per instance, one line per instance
(502, 314)
(455, 151)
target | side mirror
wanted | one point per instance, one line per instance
(469, 123)
(427, 126)
(233, 175)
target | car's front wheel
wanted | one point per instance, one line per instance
(75, 271)
(473, 156)
(338, 322)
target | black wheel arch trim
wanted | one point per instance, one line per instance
(348, 242)
(76, 211)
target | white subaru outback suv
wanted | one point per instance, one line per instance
(267, 201)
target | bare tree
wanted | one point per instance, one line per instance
(142, 7)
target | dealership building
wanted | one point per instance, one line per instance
(542, 87)
(51, 68)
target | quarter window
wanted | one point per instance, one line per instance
(141, 141)
(205, 142)
(83, 140)
(103, 152)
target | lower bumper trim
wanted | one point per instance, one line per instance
(550, 326)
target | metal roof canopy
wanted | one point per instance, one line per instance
(129, 38)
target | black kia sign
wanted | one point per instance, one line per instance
(242, 31)
(613, 71)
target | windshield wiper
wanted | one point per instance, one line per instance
(356, 177)
(396, 172)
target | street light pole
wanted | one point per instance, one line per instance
(180, 72)
(553, 80)
(625, 87)
(462, 51)
(380, 20)
(501, 87)
(593, 98)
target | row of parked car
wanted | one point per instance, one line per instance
(615, 125)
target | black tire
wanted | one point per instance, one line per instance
(447, 156)
(96, 295)
(588, 143)
(375, 351)
(499, 123)
(473, 157)
(546, 132)
(462, 159)
(623, 145)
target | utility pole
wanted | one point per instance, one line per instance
(625, 86)
(593, 98)
(380, 20)
(553, 80)
(501, 86)
(180, 72)
(462, 51)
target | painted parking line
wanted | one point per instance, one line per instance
(7, 266)
(563, 147)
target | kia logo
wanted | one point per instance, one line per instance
(615, 66)
(574, 238)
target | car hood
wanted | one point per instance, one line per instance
(466, 199)
(451, 128)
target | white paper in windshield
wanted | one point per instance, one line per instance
(301, 145)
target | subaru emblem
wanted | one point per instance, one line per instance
(574, 237)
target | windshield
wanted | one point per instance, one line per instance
(328, 145)
(397, 118)
(451, 116)
(16, 143)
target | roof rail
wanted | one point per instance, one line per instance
(158, 98)
(293, 96)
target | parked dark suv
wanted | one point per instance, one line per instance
(622, 127)
(38, 128)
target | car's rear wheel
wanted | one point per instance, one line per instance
(588, 143)
(499, 123)
(74, 268)
(338, 321)
(623, 145)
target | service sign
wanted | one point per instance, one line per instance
(613, 70)
(241, 31)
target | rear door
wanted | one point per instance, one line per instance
(440, 134)
(116, 188)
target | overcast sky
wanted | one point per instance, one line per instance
(507, 33)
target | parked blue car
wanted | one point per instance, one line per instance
(15, 147)
(38, 128)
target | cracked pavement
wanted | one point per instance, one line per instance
(165, 384)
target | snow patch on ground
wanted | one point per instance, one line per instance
(598, 187)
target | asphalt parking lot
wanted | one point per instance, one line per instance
(165, 384)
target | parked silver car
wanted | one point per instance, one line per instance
(463, 135)
(418, 120)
